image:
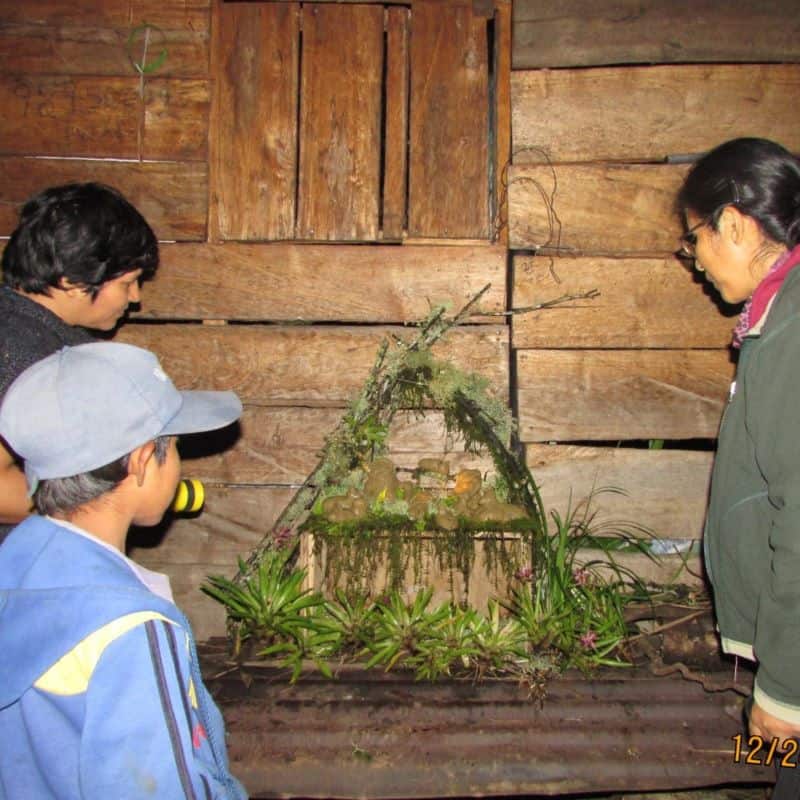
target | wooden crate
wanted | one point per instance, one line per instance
(484, 580)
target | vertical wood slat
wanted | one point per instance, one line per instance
(448, 170)
(396, 123)
(340, 114)
(254, 121)
(502, 125)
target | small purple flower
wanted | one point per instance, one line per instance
(589, 640)
(524, 573)
(282, 537)
(581, 576)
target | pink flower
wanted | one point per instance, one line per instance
(581, 576)
(281, 537)
(589, 640)
(524, 573)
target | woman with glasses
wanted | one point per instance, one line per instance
(741, 208)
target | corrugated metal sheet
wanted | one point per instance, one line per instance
(379, 736)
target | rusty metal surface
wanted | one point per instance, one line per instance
(382, 737)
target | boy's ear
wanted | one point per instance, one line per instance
(139, 459)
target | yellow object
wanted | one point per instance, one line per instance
(189, 496)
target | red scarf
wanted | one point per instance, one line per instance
(758, 302)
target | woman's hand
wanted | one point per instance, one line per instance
(769, 727)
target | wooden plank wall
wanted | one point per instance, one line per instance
(318, 177)
(608, 101)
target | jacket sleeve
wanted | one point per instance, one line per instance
(144, 735)
(774, 423)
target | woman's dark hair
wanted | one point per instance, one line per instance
(86, 233)
(759, 177)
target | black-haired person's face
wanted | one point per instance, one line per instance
(103, 311)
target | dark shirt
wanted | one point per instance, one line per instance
(29, 332)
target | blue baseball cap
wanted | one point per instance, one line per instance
(86, 406)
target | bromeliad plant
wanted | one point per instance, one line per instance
(567, 613)
(575, 606)
(269, 607)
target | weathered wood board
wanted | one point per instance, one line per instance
(340, 116)
(395, 172)
(282, 445)
(502, 120)
(253, 127)
(104, 38)
(232, 522)
(172, 196)
(590, 208)
(574, 34)
(645, 302)
(684, 569)
(301, 365)
(448, 166)
(665, 491)
(166, 14)
(647, 113)
(346, 283)
(104, 117)
(602, 395)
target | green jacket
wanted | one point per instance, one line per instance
(752, 537)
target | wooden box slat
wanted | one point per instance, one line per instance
(600, 395)
(485, 579)
(104, 117)
(172, 196)
(592, 208)
(347, 283)
(572, 34)
(340, 115)
(395, 174)
(448, 168)
(298, 365)
(647, 113)
(254, 121)
(645, 302)
(663, 490)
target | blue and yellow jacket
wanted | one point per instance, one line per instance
(100, 691)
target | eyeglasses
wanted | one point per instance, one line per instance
(689, 239)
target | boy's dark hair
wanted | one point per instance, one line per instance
(757, 176)
(86, 233)
(64, 495)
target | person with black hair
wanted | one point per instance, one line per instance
(72, 265)
(741, 209)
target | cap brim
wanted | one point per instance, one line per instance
(204, 411)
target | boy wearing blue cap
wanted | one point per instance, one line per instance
(100, 691)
